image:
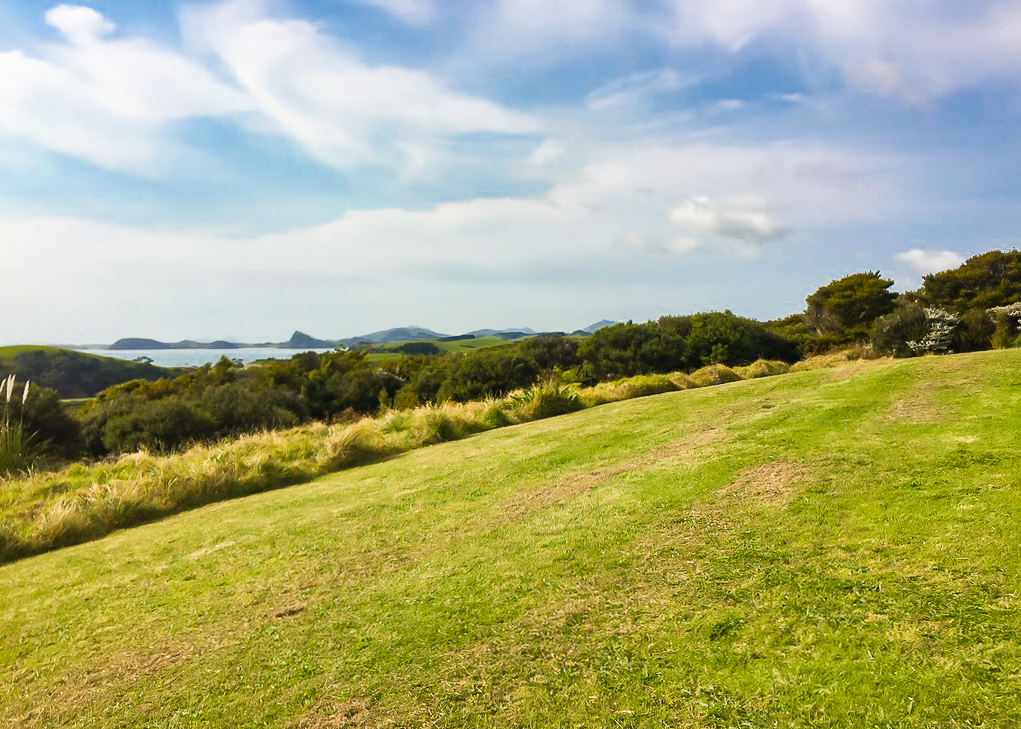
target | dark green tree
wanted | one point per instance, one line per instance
(982, 282)
(843, 310)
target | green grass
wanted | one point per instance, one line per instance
(832, 548)
(461, 346)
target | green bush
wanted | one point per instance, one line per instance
(160, 425)
(892, 333)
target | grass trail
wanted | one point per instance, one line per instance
(836, 548)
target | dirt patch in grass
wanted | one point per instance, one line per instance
(680, 452)
(769, 484)
(916, 408)
(842, 372)
(89, 686)
(336, 715)
(289, 611)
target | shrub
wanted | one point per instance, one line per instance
(160, 425)
(892, 333)
(940, 331)
(1002, 336)
(846, 308)
(975, 332)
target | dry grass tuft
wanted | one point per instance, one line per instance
(762, 368)
(714, 375)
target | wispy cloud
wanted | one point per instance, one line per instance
(537, 32)
(911, 51)
(414, 12)
(631, 90)
(341, 109)
(106, 100)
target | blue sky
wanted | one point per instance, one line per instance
(245, 168)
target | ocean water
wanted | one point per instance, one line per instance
(198, 357)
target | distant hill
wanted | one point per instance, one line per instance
(497, 332)
(74, 374)
(396, 336)
(131, 343)
(300, 340)
(593, 328)
(139, 343)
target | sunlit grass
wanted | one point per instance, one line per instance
(834, 548)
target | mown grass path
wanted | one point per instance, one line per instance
(836, 548)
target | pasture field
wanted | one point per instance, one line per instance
(461, 346)
(829, 548)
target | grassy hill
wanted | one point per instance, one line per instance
(461, 346)
(837, 548)
(74, 374)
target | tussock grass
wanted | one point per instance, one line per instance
(762, 368)
(714, 375)
(44, 511)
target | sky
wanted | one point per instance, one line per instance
(241, 169)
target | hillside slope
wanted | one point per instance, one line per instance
(836, 548)
(74, 374)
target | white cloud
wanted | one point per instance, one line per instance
(414, 12)
(925, 262)
(534, 31)
(342, 110)
(106, 101)
(546, 152)
(743, 220)
(628, 91)
(638, 241)
(114, 101)
(610, 223)
(912, 51)
(79, 23)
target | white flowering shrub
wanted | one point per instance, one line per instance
(1012, 311)
(940, 326)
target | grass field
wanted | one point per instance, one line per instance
(461, 346)
(834, 548)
